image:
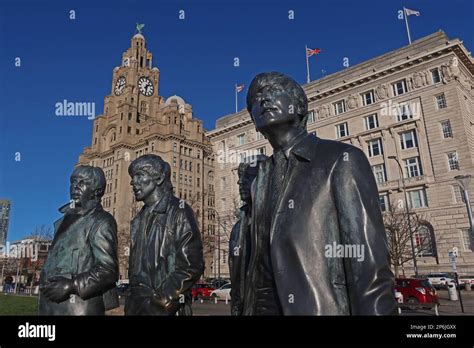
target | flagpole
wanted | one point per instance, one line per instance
(236, 106)
(308, 79)
(406, 23)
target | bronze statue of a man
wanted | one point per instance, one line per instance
(166, 250)
(311, 196)
(80, 272)
(239, 242)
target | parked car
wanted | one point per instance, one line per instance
(222, 293)
(202, 291)
(416, 291)
(218, 282)
(466, 279)
(439, 280)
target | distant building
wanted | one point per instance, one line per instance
(4, 220)
(414, 103)
(136, 121)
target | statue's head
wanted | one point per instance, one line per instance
(247, 172)
(87, 184)
(276, 100)
(150, 174)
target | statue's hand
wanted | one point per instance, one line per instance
(58, 289)
(168, 306)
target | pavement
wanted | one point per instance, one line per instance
(446, 307)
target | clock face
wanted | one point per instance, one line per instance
(145, 86)
(119, 85)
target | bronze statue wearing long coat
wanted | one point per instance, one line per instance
(329, 195)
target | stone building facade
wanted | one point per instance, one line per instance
(414, 103)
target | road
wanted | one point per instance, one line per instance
(446, 307)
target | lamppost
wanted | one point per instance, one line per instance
(415, 266)
(463, 181)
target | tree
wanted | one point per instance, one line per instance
(397, 226)
(33, 264)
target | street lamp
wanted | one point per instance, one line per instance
(463, 181)
(415, 266)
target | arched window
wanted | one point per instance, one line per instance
(425, 241)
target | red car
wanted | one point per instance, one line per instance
(202, 290)
(416, 290)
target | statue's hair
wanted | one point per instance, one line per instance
(95, 174)
(250, 166)
(273, 79)
(154, 165)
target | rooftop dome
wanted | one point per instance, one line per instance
(178, 99)
(138, 36)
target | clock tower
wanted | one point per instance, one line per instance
(137, 121)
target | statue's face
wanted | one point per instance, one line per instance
(81, 189)
(143, 185)
(272, 107)
(245, 183)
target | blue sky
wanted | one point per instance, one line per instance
(73, 60)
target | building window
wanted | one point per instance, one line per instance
(259, 136)
(262, 150)
(241, 139)
(181, 164)
(399, 88)
(408, 140)
(404, 112)
(435, 76)
(424, 242)
(311, 117)
(198, 182)
(175, 147)
(453, 161)
(458, 194)
(465, 240)
(413, 167)
(446, 128)
(371, 122)
(342, 130)
(198, 168)
(368, 98)
(243, 157)
(129, 130)
(417, 199)
(375, 147)
(384, 203)
(340, 107)
(180, 178)
(174, 161)
(174, 176)
(129, 116)
(379, 173)
(441, 101)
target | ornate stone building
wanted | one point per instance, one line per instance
(137, 121)
(414, 103)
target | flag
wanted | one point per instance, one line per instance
(411, 12)
(239, 88)
(310, 52)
